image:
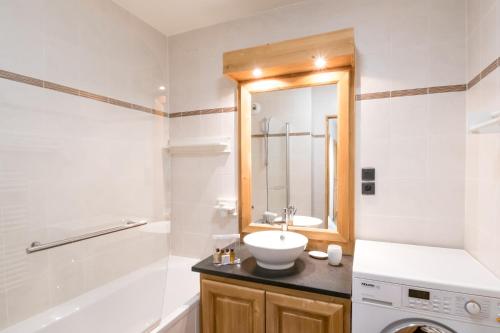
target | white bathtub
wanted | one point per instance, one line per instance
(181, 304)
(130, 304)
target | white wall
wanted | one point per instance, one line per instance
(69, 164)
(416, 143)
(483, 151)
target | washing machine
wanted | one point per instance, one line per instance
(400, 288)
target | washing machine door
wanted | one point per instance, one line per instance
(417, 326)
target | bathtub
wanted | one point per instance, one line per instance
(181, 304)
(130, 304)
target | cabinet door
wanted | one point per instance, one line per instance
(289, 314)
(229, 308)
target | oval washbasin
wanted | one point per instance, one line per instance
(275, 249)
(304, 221)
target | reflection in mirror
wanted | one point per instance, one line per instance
(294, 138)
(331, 141)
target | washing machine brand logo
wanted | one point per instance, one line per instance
(366, 284)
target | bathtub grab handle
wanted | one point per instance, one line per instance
(37, 246)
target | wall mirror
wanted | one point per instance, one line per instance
(294, 153)
(295, 136)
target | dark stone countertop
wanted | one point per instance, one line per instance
(308, 274)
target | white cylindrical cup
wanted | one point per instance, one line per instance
(334, 254)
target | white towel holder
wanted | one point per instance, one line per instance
(484, 122)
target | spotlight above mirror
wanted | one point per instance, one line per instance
(257, 72)
(319, 62)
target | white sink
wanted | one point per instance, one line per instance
(275, 249)
(304, 221)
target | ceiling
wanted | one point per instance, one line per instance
(175, 16)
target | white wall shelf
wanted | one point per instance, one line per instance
(200, 145)
(484, 122)
(227, 207)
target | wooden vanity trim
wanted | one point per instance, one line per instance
(345, 303)
(291, 56)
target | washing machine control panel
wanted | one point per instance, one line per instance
(467, 306)
(471, 308)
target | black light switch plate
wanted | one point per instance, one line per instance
(368, 174)
(368, 188)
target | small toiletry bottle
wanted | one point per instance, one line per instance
(225, 257)
(231, 256)
(217, 256)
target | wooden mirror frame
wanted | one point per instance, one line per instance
(343, 78)
(287, 65)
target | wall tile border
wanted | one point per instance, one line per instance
(359, 97)
(315, 136)
(77, 92)
(202, 112)
(411, 92)
(484, 73)
(433, 90)
(273, 135)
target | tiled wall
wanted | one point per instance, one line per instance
(71, 161)
(482, 218)
(417, 142)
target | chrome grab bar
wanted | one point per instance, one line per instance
(37, 246)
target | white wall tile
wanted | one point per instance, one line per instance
(409, 117)
(488, 36)
(446, 113)
(23, 47)
(482, 151)
(71, 165)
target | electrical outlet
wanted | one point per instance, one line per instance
(368, 188)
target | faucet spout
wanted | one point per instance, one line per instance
(287, 218)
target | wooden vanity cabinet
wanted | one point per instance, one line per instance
(230, 306)
(290, 314)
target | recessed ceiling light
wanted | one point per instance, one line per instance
(257, 72)
(161, 88)
(320, 62)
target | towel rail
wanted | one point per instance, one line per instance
(37, 246)
(494, 121)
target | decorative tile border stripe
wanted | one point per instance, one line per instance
(484, 73)
(376, 95)
(274, 135)
(411, 92)
(359, 97)
(21, 78)
(201, 112)
(447, 89)
(432, 90)
(77, 92)
(318, 136)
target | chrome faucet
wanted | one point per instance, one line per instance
(287, 217)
